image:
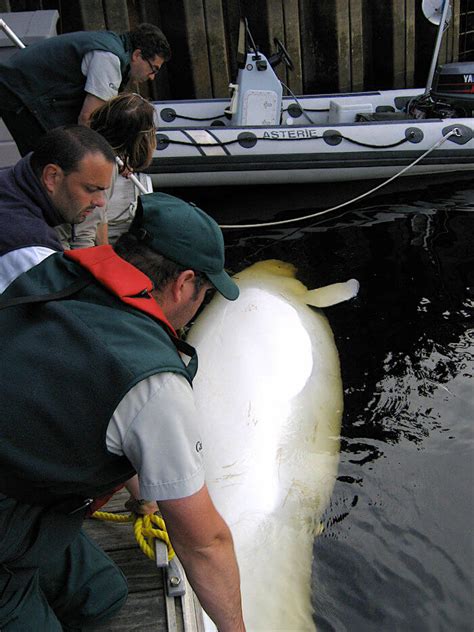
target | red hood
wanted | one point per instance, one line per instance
(121, 278)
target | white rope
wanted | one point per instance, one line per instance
(454, 131)
(132, 177)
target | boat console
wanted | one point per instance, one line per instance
(256, 97)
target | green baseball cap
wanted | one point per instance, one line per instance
(183, 233)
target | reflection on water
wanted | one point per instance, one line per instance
(397, 550)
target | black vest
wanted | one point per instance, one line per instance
(66, 364)
(46, 76)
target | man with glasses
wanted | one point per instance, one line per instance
(63, 79)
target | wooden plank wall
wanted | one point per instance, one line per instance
(336, 45)
(466, 30)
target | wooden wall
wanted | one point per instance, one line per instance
(336, 45)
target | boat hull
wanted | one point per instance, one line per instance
(197, 146)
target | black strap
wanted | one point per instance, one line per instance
(78, 285)
(188, 350)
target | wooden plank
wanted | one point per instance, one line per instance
(343, 36)
(398, 20)
(116, 15)
(195, 27)
(142, 573)
(148, 606)
(321, 39)
(455, 30)
(292, 41)
(410, 44)
(145, 607)
(149, 11)
(143, 612)
(357, 45)
(217, 47)
(92, 15)
(444, 50)
(231, 12)
(111, 536)
(275, 26)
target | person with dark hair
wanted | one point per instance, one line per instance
(131, 409)
(63, 79)
(127, 122)
(64, 180)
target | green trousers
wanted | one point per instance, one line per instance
(48, 583)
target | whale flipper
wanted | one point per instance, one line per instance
(332, 294)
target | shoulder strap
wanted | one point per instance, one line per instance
(78, 285)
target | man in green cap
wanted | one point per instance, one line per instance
(95, 386)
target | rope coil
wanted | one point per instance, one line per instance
(146, 529)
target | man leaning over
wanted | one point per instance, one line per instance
(63, 180)
(63, 79)
(120, 401)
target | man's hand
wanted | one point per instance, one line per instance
(143, 507)
(134, 503)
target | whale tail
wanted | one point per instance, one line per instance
(332, 294)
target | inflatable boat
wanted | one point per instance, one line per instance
(260, 136)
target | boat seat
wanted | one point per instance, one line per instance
(346, 112)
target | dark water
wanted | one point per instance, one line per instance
(397, 550)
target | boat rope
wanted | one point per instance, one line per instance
(146, 529)
(444, 138)
(194, 118)
(164, 141)
(305, 109)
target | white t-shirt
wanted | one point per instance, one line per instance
(102, 70)
(156, 426)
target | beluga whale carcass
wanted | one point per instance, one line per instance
(269, 387)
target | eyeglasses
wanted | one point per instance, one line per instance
(154, 70)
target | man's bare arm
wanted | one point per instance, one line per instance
(90, 104)
(203, 543)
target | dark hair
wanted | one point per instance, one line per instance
(151, 41)
(158, 268)
(66, 146)
(127, 123)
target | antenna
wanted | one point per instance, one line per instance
(11, 35)
(437, 12)
(251, 40)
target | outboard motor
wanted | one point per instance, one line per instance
(451, 94)
(257, 95)
(453, 85)
(450, 87)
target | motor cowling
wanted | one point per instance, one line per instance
(453, 85)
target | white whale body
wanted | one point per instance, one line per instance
(270, 390)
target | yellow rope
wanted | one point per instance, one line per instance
(145, 528)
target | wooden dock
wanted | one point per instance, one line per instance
(148, 608)
(336, 45)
